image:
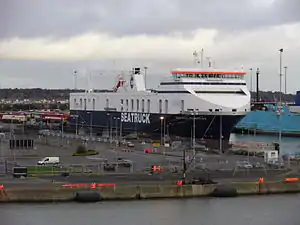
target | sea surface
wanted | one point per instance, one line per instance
(255, 210)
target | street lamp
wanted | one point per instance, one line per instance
(194, 139)
(280, 74)
(116, 127)
(285, 79)
(251, 78)
(221, 131)
(91, 124)
(146, 68)
(280, 110)
(161, 129)
(75, 79)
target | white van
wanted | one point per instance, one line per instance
(49, 160)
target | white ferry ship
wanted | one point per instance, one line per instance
(207, 103)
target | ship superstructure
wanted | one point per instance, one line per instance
(206, 103)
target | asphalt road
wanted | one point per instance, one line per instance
(218, 176)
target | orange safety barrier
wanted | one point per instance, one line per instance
(74, 185)
(156, 168)
(92, 186)
(291, 179)
(106, 185)
(179, 182)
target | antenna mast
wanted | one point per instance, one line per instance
(202, 52)
(195, 54)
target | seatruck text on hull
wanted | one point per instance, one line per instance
(135, 118)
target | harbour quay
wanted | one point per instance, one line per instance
(104, 192)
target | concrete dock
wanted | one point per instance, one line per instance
(99, 192)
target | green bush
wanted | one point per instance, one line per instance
(86, 153)
(81, 149)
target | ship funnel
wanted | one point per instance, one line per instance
(297, 98)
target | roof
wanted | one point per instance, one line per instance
(206, 71)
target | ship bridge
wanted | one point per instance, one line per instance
(223, 88)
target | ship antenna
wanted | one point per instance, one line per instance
(202, 52)
(209, 61)
(195, 54)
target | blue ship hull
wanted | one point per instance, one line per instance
(269, 122)
(206, 126)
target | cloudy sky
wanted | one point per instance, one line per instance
(43, 41)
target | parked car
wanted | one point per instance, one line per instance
(124, 162)
(49, 161)
(244, 165)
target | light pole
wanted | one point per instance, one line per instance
(280, 99)
(75, 79)
(91, 124)
(194, 139)
(162, 120)
(2, 136)
(251, 78)
(161, 129)
(62, 131)
(221, 131)
(116, 127)
(146, 69)
(285, 79)
(280, 75)
(76, 123)
(120, 136)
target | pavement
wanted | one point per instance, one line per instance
(135, 179)
(219, 167)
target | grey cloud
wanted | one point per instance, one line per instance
(29, 18)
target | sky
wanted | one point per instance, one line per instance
(42, 42)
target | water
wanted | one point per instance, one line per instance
(260, 210)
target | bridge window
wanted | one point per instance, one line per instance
(122, 104)
(107, 103)
(94, 104)
(127, 104)
(80, 103)
(137, 105)
(75, 102)
(166, 106)
(182, 106)
(84, 104)
(148, 105)
(160, 106)
(143, 105)
(132, 105)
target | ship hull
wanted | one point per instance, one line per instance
(211, 128)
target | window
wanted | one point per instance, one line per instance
(107, 103)
(84, 104)
(160, 106)
(137, 105)
(132, 105)
(148, 105)
(122, 104)
(75, 103)
(143, 105)
(166, 106)
(182, 106)
(80, 103)
(127, 105)
(94, 104)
